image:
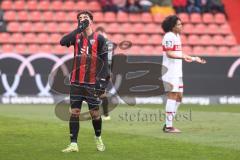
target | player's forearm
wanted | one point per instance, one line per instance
(174, 55)
(104, 73)
(68, 39)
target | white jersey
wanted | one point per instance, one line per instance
(172, 42)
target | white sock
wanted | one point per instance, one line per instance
(73, 143)
(170, 111)
(176, 108)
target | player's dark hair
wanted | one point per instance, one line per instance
(169, 23)
(100, 29)
(86, 12)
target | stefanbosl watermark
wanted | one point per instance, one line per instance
(152, 116)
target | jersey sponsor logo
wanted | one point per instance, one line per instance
(169, 44)
(92, 41)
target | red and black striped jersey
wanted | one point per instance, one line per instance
(90, 61)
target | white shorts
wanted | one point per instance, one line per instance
(173, 84)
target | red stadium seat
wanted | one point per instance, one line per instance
(19, 5)
(199, 29)
(122, 17)
(31, 5)
(64, 27)
(155, 39)
(109, 17)
(35, 16)
(4, 37)
(51, 27)
(58, 49)
(223, 51)
(225, 29)
(47, 16)
(60, 16)
(218, 40)
(147, 50)
(195, 18)
(158, 50)
(132, 38)
(146, 17)
(69, 50)
(56, 5)
(187, 50)
(38, 27)
(235, 50)
(94, 6)
(134, 50)
(42, 38)
(188, 28)
(7, 48)
(68, 5)
(144, 39)
(207, 18)
(118, 38)
(46, 48)
(151, 28)
(159, 29)
(103, 25)
(206, 40)
(13, 27)
(125, 28)
(113, 28)
(26, 27)
(30, 38)
(16, 38)
(134, 18)
(230, 40)
(211, 50)
(158, 18)
(80, 5)
(20, 48)
(33, 48)
(184, 17)
(98, 16)
(220, 18)
(7, 5)
(184, 39)
(10, 15)
(54, 38)
(138, 28)
(212, 29)
(44, 5)
(124, 51)
(72, 17)
(198, 50)
(193, 40)
(22, 16)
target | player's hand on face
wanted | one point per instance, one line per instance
(82, 25)
(200, 60)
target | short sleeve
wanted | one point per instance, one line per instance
(168, 42)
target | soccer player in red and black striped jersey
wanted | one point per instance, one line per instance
(89, 76)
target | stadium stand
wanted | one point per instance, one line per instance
(36, 26)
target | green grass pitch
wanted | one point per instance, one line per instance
(33, 132)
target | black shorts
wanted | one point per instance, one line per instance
(83, 92)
